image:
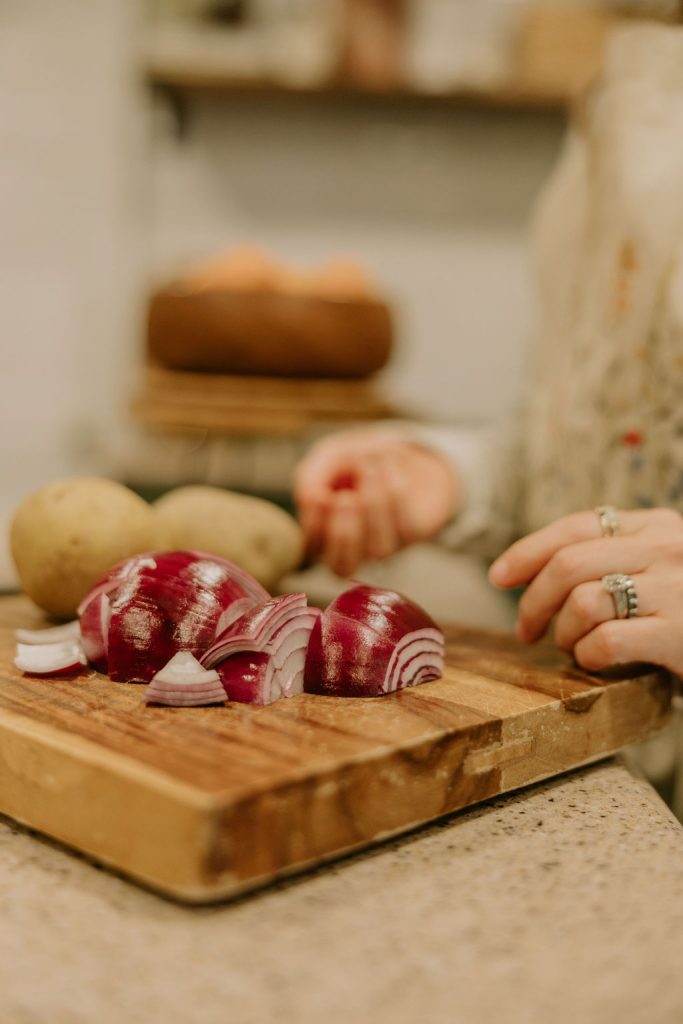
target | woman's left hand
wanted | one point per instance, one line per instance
(562, 567)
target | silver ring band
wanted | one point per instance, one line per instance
(608, 518)
(624, 594)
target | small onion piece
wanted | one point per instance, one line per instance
(51, 635)
(370, 642)
(183, 682)
(65, 656)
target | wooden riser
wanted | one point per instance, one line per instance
(204, 803)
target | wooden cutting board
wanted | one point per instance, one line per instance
(208, 802)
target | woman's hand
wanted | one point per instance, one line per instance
(562, 566)
(363, 494)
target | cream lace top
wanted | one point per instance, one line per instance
(604, 418)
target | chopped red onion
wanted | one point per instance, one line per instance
(95, 630)
(48, 659)
(152, 606)
(114, 577)
(248, 678)
(183, 682)
(261, 656)
(370, 642)
(51, 635)
(254, 628)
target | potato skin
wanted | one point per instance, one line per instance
(64, 536)
(255, 534)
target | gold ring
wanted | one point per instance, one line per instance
(608, 518)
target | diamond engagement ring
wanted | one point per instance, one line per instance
(623, 591)
(609, 520)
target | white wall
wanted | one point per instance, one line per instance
(69, 124)
(434, 198)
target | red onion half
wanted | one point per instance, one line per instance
(261, 656)
(152, 606)
(370, 642)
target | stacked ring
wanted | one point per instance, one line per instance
(624, 595)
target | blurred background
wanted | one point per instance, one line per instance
(378, 154)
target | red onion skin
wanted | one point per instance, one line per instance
(245, 677)
(112, 579)
(164, 603)
(351, 645)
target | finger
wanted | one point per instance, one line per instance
(343, 540)
(314, 486)
(314, 475)
(313, 517)
(335, 456)
(624, 640)
(525, 559)
(570, 566)
(375, 497)
(393, 467)
(589, 605)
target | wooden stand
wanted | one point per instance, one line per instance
(222, 404)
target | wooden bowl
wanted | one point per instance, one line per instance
(274, 334)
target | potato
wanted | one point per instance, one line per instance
(66, 535)
(255, 534)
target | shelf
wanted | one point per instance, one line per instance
(511, 96)
(557, 51)
(175, 401)
(197, 59)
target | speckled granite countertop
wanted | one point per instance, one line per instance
(561, 903)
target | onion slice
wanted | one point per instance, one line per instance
(370, 642)
(183, 682)
(95, 630)
(51, 635)
(47, 659)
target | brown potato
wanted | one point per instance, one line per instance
(255, 534)
(66, 535)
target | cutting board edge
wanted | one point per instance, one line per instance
(195, 830)
(227, 892)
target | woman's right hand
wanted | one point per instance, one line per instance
(364, 494)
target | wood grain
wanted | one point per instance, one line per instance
(207, 802)
(221, 403)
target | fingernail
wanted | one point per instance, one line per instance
(498, 573)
